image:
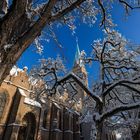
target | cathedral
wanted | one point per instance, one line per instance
(22, 118)
(57, 118)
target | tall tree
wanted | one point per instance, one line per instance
(117, 89)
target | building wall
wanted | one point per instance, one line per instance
(49, 121)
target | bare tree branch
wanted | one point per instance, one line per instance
(118, 109)
(84, 87)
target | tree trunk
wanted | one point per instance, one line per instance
(4, 71)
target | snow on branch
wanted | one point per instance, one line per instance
(82, 85)
(68, 9)
(117, 110)
(119, 82)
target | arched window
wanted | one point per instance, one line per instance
(45, 119)
(28, 128)
(59, 119)
(2, 102)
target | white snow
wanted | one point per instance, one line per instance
(57, 105)
(22, 92)
(32, 102)
(14, 71)
(77, 113)
(118, 135)
(76, 78)
(32, 80)
(25, 67)
(7, 46)
(38, 46)
(44, 129)
(13, 124)
(127, 107)
(43, 101)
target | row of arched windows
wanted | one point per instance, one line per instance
(56, 118)
(68, 119)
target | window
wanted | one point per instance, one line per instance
(2, 103)
(45, 119)
(28, 128)
(59, 118)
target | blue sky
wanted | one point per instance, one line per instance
(128, 26)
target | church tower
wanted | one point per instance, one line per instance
(79, 66)
(80, 70)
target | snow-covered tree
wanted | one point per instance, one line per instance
(22, 21)
(44, 77)
(126, 122)
(117, 90)
(118, 86)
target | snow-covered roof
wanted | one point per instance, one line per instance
(22, 92)
(25, 67)
(32, 102)
(13, 124)
(14, 71)
(77, 113)
(57, 105)
(43, 100)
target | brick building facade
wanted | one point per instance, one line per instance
(22, 118)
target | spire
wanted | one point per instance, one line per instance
(77, 54)
(78, 61)
(79, 67)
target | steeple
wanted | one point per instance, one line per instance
(78, 56)
(79, 67)
(80, 71)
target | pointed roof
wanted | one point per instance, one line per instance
(77, 54)
(78, 58)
